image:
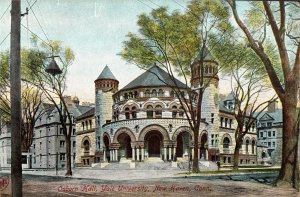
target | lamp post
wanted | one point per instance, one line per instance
(54, 69)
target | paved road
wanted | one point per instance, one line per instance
(176, 185)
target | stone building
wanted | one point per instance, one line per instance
(48, 149)
(269, 134)
(145, 121)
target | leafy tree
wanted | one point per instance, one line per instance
(54, 87)
(278, 22)
(174, 40)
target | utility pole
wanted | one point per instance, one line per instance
(15, 98)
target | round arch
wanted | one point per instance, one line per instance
(133, 104)
(121, 131)
(149, 128)
(85, 138)
(204, 132)
(253, 139)
(247, 138)
(228, 136)
(180, 130)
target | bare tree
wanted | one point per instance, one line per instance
(275, 22)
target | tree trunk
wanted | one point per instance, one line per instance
(236, 156)
(196, 149)
(68, 155)
(288, 175)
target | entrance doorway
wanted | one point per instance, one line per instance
(154, 141)
(125, 150)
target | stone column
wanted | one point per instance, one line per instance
(170, 153)
(113, 155)
(138, 154)
(133, 154)
(104, 155)
(110, 153)
(206, 154)
(174, 153)
(165, 153)
(143, 154)
(116, 154)
(198, 153)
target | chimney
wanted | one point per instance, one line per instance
(272, 106)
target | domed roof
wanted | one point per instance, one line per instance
(106, 74)
(153, 77)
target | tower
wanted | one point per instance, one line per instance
(204, 71)
(105, 86)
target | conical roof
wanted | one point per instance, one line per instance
(207, 56)
(153, 77)
(106, 74)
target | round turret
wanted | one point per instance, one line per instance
(106, 81)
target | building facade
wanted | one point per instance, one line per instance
(48, 149)
(269, 135)
(145, 120)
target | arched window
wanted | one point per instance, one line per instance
(127, 114)
(210, 69)
(149, 111)
(154, 93)
(147, 93)
(158, 111)
(130, 95)
(136, 94)
(247, 146)
(226, 142)
(133, 112)
(181, 112)
(253, 146)
(160, 93)
(174, 112)
(86, 145)
(172, 94)
(125, 96)
(206, 69)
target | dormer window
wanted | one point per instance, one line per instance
(147, 93)
(154, 93)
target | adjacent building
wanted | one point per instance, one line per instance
(269, 135)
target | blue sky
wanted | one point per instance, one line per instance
(94, 29)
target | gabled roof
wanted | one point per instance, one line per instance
(106, 74)
(153, 77)
(87, 114)
(266, 117)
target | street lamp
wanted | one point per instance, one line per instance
(54, 69)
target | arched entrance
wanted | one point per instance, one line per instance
(125, 150)
(183, 141)
(203, 146)
(153, 142)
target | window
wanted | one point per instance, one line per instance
(269, 124)
(269, 133)
(269, 144)
(174, 112)
(230, 123)
(273, 144)
(127, 114)
(221, 121)
(40, 145)
(273, 133)
(33, 146)
(263, 124)
(229, 159)
(247, 146)
(226, 120)
(125, 96)
(173, 94)
(181, 111)
(149, 111)
(261, 134)
(133, 112)
(62, 156)
(226, 142)
(212, 118)
(158, 111)
(154, 93)
(136, 94)
(61, 131)
(62, 143)
(253, 146)
(91, 124)
(74, 144)
(160, 93)
(86, 145)
(74, 130)
(147, 93)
